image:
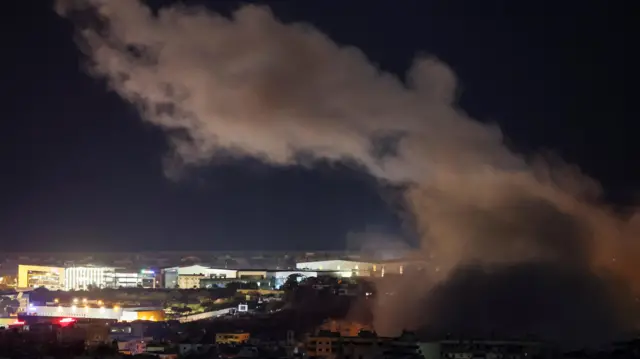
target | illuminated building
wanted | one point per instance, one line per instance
(117, 279)
(147, 278)
(404, 266)
(344, 268)
(279, 277)
(80, 278)
(252, 274)
(8, 281)
(188, 281)
(171, 276)
(128, 279)
(30, 276)
(365, 344)
(96, 312)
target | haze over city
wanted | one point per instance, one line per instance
(491, 144)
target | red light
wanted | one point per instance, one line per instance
(66, 321)
(18, 322)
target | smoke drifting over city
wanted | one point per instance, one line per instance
(493, 225)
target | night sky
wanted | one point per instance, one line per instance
(82, 172)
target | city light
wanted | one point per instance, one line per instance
(84, 300)
(100, 302)
(59, 309)
(66, 321)
(75, 300)
(86, 309)
(101, 309)
(116, 308)
(56, 300)
(73, 308)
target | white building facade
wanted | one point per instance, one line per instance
(81, 278)
(171, 276)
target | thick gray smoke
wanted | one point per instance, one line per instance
(253, 86)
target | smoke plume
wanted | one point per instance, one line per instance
(251, 85)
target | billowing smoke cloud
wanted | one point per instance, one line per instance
(252, 86)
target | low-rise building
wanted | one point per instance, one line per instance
(122, 278)
(33, 276)
(344, 268)
(190, 281)
(171, 276)
(366, 345)
(87, 311)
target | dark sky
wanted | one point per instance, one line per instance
(81, 171)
